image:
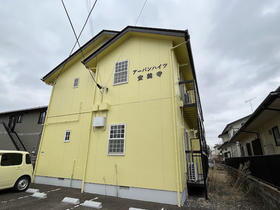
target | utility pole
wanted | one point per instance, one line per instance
(250, 102)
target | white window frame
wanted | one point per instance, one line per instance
(120, 83)
(65, 134)
(116, 154)
(76, 79)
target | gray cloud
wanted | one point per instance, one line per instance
(236, 47)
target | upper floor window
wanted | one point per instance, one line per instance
(121, 72)
(116, 139)
(76, 82)
(67, 136)
(19, 118)
(276, 135)
(42, 117)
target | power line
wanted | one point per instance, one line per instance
(140, 12)
(121, 52)
(83, 26)
(70, 21)
(77, 37)
(90, 20)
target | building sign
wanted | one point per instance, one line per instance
(150, 72)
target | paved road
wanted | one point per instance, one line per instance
(23, 200)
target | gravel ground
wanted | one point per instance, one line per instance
(224, 194)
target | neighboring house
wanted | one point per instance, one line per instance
(260, 134)
(124, 118)
(21, 129)
(228, 148)
(259, 142)
(216, 153)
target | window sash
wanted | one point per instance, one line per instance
(67, 136)
(19, 118)
(116, 143)
(76, 82)
(41, 117)
(121, 72)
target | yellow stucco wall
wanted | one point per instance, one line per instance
(154, 147)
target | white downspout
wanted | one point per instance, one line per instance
(178, 181)
(89, 137)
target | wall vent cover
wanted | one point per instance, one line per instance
(99, 122)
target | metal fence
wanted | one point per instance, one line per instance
(265, 167)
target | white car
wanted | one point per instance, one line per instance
(15, 170)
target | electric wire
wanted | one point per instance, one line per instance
(140, 12)
(120, 54)
(77, 37)
(84, 25)
(70, 21)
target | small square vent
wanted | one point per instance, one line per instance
(99, 122)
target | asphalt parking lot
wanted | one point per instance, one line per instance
(23, 200)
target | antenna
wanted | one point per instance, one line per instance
(250, 102)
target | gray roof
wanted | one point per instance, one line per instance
(229, 124)
(160, 31)
(25, 110)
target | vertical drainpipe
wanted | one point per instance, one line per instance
(43, 133)
(177, 160)
(89, 136)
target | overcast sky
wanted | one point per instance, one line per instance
(236, 47)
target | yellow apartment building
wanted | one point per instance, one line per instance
(124, 118)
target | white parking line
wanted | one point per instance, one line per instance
(22, 197)
(53, 190)
(81, 203)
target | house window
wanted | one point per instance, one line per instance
(276, 135)
(116, 140)
(76, 82)
(42, 117)
(19, 118)
(67, 136)
(121, 72)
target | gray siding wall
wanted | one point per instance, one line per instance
(5, 142)
(28, 130)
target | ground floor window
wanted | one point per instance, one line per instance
(116, 139)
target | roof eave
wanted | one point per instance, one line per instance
(266, 102)
(160, 31)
